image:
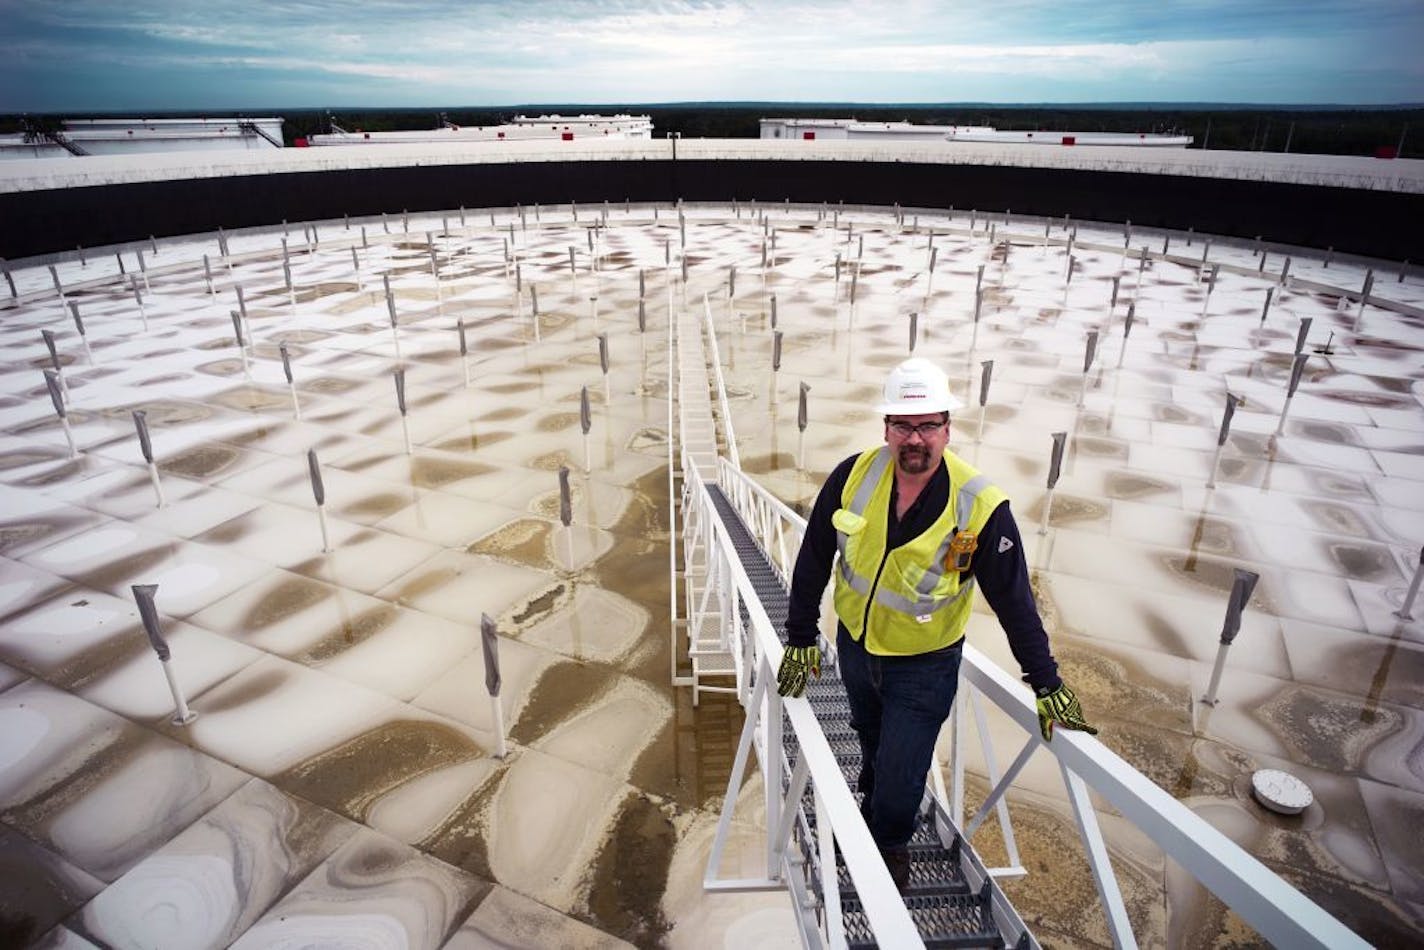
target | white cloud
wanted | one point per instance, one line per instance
(462, 51)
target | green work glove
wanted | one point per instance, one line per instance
(1061, 706)
(796, 662)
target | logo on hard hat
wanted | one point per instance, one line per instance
(913, 388)
(913, 382)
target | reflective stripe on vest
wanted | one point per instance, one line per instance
(963, 512)
(857, 506)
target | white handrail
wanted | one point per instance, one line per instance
(672, 502)
(886, 911)
(778, 506)
(767, 516)
(1279, 912)
(721, 385)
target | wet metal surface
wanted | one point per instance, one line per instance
(344, 745)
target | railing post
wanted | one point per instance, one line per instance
(826, 843)
(956, 798)
(795, 788)
(772, 766)
(1113, 907)
(725, 596)
(749, 668)
(1000, 788)
(734, 781)
(991, 764)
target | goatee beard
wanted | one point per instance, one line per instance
(914, 459)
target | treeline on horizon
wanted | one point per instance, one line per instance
(1300, 129)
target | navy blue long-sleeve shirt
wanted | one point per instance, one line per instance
(998, 567)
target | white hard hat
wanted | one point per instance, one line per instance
(917, 387)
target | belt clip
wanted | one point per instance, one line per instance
(961, 551)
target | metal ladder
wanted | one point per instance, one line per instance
(697, 434)
(951, 897)
(698, 428)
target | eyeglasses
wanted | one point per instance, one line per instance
(906, 429)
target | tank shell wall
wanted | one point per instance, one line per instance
(1375, 223)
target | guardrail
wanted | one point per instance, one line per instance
(839, 823)
(1279, 912)
(720, 384)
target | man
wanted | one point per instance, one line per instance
(916, 528)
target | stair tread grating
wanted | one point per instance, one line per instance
(931, 871)
(944, 920)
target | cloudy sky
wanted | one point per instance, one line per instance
(236, 54)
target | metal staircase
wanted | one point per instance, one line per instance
(951, 901)
(947, 909)
(251, 128)
(34, 135)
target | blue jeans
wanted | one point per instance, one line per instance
(905, 700)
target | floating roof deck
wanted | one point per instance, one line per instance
(300, 665)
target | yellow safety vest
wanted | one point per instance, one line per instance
(909, 599)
